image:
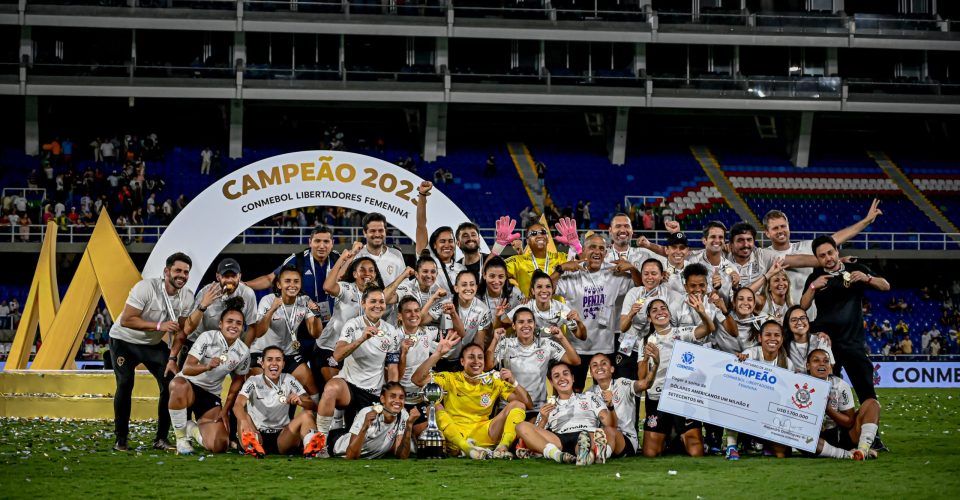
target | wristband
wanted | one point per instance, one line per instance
(202, 308)
(813, 287)
(158, 326)
(497, 248)
(172, 358)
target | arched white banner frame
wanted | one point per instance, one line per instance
(289, 181)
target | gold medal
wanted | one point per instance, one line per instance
(380, 333)
(378, 408)
(282, 399)
(641, 301)
(545, 331)
(229, 288)
(552, 400)
(847, 279)
(412, 337)
(671, 270)
(728, 270)
(295, 345)
(223, 358)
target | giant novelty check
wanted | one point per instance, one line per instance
(757, 399)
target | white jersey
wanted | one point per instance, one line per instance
(282, 330)
(579, 413)
(346, 307)
(450, 271)
(150, 297)
(555, 315)
(515, 298)
(411, 288)
(640, 324)
(755, 353)
(723, 341)
(264, 403)
(391, 265)
(529, 364)
(675, 278)
(683, 314)
(798, 352)
(364, 367)
(634, 255)
(212, 344)
(798, 275)
(424, 346)
(725, 266)
(774, 311)
(211, 317)
(757, 264)
(380, 437)
(624, 405)
(594, 295)
(475, 317)
(665, 343)
(840, 399)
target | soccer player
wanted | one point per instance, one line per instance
(737, 331)
(769, 348)
(621, 396)
(843, 426)
(776, 298)
(658, 425)
(346, 282)
(722, 272)
(281, 314)
(418, 343)
(215, 354)
(380, 429)
(799, 342)
(263, 411)
(155, 307)
(528, 355)
(470, 316)
(211, 300)
(496, 291)
(593, 288)
(548, 311)
(368, 348)
(422, 286)
(695, 284)
(633, 315)
(572, 427)
(838, 290)
(440, 242)
(470, 396)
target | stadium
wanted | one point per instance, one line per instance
(696, 211)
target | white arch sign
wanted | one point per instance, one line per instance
(289, 181)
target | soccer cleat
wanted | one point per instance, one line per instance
(600, 446)
(584, 449)
(568, 458)
(121, 444)
(317, 442)
(713, 450)
(878, 445)
(860, 456)
(478, 452)
(502, 452)
(522, 451)
(251, 446)
(184, 447)
(732, 453)
(163, 444)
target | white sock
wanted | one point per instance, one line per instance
(324, 423)
(196, 434)
(338, 422)
(551, 451)
(608, 452)
(308, 437)
(830, 451)
(315, 398)
(179, 420)
(732, 437)
(868, 432)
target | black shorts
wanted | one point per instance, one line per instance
(359, 399)
(203, 401)
(290, 361)
(859, 369)
(268, 439)
(568, 442)
(421, 407)
(662, 422)
(333, 437)
(628, 449)
(326, 359)
(625, 366)
(838, 437)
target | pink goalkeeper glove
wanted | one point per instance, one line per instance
(505, 235)
(567, 228)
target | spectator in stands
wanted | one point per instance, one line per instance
(924, 292)
(902, 328)
(906, 345)
(541, 174)
(586, 215)
(5, 322)
(108, 152)
(867, 307)
(25, 227)
(886, 350)
(925, 342)
(490, 168)
(20, 204)
(887, 330)
(14, 305)
(14, 221)
(205, 156)
(935, 347)
(97, 152)
(181, 202)
(647, 220)
(67, 146)
(47, 214)
(955, 291)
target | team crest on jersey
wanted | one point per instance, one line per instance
(584, 405)
(385, 345)
(485, 400)
(390, 269)
(652, 421)
(802, 398)
(540, 355)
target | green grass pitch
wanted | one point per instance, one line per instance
(69, 459)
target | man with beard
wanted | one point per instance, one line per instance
(750, 262)
(838, 289)
(388, 260)
(468, 241)
(777, 228)
(154, 308)
(592, 288)
(211, 301)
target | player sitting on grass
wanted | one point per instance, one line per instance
(470, 396)
(213, 356)
(263, 412)
(380, 429)
(843, 427)
(571, 427)
(620, 395)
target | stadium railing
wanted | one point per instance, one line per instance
(274, 235)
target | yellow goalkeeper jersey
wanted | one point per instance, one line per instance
(468, 403)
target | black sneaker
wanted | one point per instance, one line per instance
(121, 444)
(163, 445)
(878, 445)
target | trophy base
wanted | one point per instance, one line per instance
(431, 451)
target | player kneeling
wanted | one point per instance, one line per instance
(843, 427)
(379, 429)
(213, 356)
(263, 412)
(571, 427)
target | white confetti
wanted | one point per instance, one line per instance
(160, 462)
(524, 476)
(618, 475)
(289, 477)
(443, 485)
(946, 432)
(672, 472)
(66, 469)
(201, 459)
(28, 479)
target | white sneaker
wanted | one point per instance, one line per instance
(478, 452)
(184, 447)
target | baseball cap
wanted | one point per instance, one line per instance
(228, 266)
(677, 239)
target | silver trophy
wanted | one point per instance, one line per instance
(430, 444)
